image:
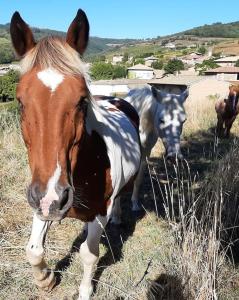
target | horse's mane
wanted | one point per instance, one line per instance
(54, 52)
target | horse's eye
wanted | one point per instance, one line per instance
(161, 121)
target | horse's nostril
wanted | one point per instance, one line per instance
(34, 195)
(64, 199)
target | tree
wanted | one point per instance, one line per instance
(119, 71)
(125, 57)
(202, 50)
(158, 65)
(8, 84)
(206, 65)
(174, 65)
(101, 70)
(237, 63)
(139, 61)
(6, 53)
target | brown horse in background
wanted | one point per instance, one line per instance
(227, 111)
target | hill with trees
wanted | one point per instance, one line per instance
(96, 44)
(228, 30)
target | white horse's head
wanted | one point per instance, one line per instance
(168, 120)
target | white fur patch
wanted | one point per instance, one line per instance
(50, 78)
(51, 194)
(121, 140)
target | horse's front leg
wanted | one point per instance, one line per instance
(228, 126)
(219, 128)
(89, 254)
(116, 212)
(44, 277)
(137, 183)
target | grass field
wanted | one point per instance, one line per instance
(177, 248)
(230, 47)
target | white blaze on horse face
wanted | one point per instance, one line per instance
(50, 78)
(170, 118)
(51, 194)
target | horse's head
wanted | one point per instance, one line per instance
(169, 119)
(52, 95)
(233, 96)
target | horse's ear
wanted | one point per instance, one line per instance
(184, 95)
(78, 33)
(21, 35)
(158, 95)
(154, 91)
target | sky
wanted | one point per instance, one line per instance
(123, 18)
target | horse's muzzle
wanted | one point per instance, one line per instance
(50, 209)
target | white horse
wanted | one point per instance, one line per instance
(161, 116)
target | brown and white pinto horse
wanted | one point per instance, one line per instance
(82, 153)
(227, 111)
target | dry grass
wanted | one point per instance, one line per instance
(176, 255)
(227, 48)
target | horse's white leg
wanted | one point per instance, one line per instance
(89, 253)
(44, 277)
(116, 212)
(135, 196)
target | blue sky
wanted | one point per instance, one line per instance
(123, 18)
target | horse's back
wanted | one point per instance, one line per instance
(123, 106)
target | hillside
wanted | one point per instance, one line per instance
(228, 30)
(96, 44)
(215, 33)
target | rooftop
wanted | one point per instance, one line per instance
(223, 70)
(227, 59)
(171, 80)
(140, 67)
(178, 80)
(120, 81)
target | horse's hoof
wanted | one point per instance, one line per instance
(47, 283)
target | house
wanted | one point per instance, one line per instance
(140, 72)
(170, 46)
(149, 60)
(175, 83)
(5, 68)
(116, 87)
(224, 73)
(117, 59)
(229, 61)
(200, 87)
(193, 58)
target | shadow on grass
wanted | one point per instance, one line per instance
(202, 151)
(112, 238)
(165, 287)
(65, 262)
